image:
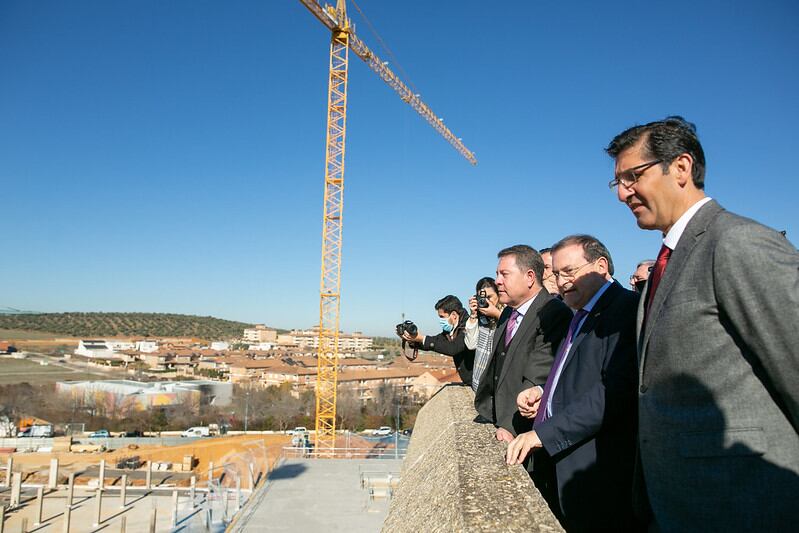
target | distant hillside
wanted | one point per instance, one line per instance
(125, 324)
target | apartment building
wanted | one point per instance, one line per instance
(309, 338)
(258, 334)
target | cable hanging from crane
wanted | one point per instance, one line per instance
(385, 47)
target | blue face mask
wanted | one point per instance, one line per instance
(445, 325)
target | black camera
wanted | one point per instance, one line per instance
(482, 301)
(408, 327)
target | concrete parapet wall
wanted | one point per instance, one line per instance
(454, 477)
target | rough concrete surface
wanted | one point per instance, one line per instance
(454, 477)
(320, 495)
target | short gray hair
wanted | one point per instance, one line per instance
(593, 248)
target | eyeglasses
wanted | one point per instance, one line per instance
(630, 177)
(571, 273)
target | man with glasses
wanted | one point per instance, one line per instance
(641, 274)
(718, 347)
(585, 414)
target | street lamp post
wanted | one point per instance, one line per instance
(396, 433)
(246, 409)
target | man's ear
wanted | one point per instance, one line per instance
(604, 261)
(683, 165)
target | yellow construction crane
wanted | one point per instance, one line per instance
(344, 39)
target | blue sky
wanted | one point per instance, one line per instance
(168, 156)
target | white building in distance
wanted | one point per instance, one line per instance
(309, 338)
(259, 333)
(96, 349)
(146, 346)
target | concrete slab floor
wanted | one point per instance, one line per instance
(321, 495)
(137, 512)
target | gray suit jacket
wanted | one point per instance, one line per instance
(527, 361)
(719, 380)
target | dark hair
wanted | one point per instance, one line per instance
(593, 249)
(665, 139)
(450, 303)
(542, 251)
(527, 258)
(486, 282)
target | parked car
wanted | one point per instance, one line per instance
(382, 431)
(197, 431)
(130, 463)
(299, 430)
(131, 434)
(100, 434)
(407, 432)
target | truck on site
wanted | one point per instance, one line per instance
(37, 430)
(197, 431)
(5, 347)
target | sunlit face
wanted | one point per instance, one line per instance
(578, 279)
(652, 197)
(549, 281)
(515, 285)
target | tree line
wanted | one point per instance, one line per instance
(271, 408)
(125, 324)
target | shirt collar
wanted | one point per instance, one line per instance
(522, 309)
(673, 236)
(595, 298)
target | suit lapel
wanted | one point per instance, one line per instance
(530, 321)
(590, 321)
(693, 232)
(499, 334)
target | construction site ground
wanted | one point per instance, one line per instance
(233, 451)
(231, 456)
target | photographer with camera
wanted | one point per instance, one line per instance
(451, 341)
(485, 310)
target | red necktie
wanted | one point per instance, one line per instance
(657, 274)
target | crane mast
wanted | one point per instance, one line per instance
(342, 41)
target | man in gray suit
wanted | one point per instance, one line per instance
(529, 331)
(718, 347)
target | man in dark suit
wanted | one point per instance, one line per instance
(585, 415)
(528, 331)
(718, 347)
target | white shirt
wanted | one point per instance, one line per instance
(587, 307)
(673, 236)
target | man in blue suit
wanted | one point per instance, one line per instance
(585, 416)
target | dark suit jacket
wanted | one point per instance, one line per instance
(454, 345)
(591, 434)
(719, 380)
(527, 360)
